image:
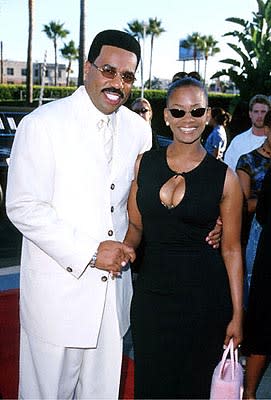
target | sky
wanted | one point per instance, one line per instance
(179, 18)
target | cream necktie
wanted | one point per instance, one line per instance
(105, 127)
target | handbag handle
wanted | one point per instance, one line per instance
(233, 359)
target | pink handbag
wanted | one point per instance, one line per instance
(227, 380)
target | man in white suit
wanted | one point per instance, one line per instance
(69, 202)
(67, 194)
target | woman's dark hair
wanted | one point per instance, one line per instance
(267, 119)
(182, 74)
(184, 82)
(220, 116)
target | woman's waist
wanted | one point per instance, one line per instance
(179, 247)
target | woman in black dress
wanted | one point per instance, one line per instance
(188, 297)
(257, 329)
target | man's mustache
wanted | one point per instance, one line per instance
(114, 90)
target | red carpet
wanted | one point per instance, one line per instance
(9, 350)
(9, 344)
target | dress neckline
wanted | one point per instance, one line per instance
(177, 173)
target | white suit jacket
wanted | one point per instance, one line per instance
(65, 201)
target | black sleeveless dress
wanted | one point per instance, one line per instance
(181, 304)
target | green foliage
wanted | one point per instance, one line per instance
(206, 44)
(141, 30)
(251, 70)
(71, 53)
(18, 92)
(54, 31)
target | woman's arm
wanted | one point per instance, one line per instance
(245, 181)
(231, 213)
(264, 199)
(134, 232)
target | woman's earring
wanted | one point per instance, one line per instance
(167, 123)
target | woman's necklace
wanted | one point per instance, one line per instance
(265, 151)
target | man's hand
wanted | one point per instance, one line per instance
(112, 256)
(214, 236)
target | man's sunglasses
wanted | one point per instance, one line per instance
(111, 72)
(142, 110)
(196, 112)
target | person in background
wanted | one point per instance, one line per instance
(257, 328)
(71, 207)
(188, 296)
(251, 169)
(252, 138)
(216, 142)
(143, 108)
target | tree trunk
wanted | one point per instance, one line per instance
(29, 72)
(55, 47)
(205, 68)
(68, 73)
(152, 37)
(82, 43)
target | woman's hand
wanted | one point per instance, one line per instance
(234, 331)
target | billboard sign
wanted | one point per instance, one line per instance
(188, 54)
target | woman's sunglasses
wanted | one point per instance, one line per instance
(111, 72)
(196, 112)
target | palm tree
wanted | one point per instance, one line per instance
(195, 43)
(70, 52)
(209, 49)
(251, 72)
(54, 30)
(139, 31)
(29, 73)
(154, 29)
(82, 42)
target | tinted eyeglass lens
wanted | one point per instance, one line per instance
(111, 73)
(128, 77)
(177, 113)
(196, 112)
(142, 110)
(108, 71)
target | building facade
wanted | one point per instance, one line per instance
(14, 72)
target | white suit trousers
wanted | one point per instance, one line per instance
(54, 372)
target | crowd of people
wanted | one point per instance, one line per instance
(82, 224)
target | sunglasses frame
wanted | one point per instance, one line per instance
(112, 72)
(142, 110)
(181, 113)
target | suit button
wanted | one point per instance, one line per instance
(112, 209)
(104, 278)
(69, 269)
(110, 233)
(112, 187)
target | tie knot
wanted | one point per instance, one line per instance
(104, 122)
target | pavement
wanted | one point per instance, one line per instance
(10, 245)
